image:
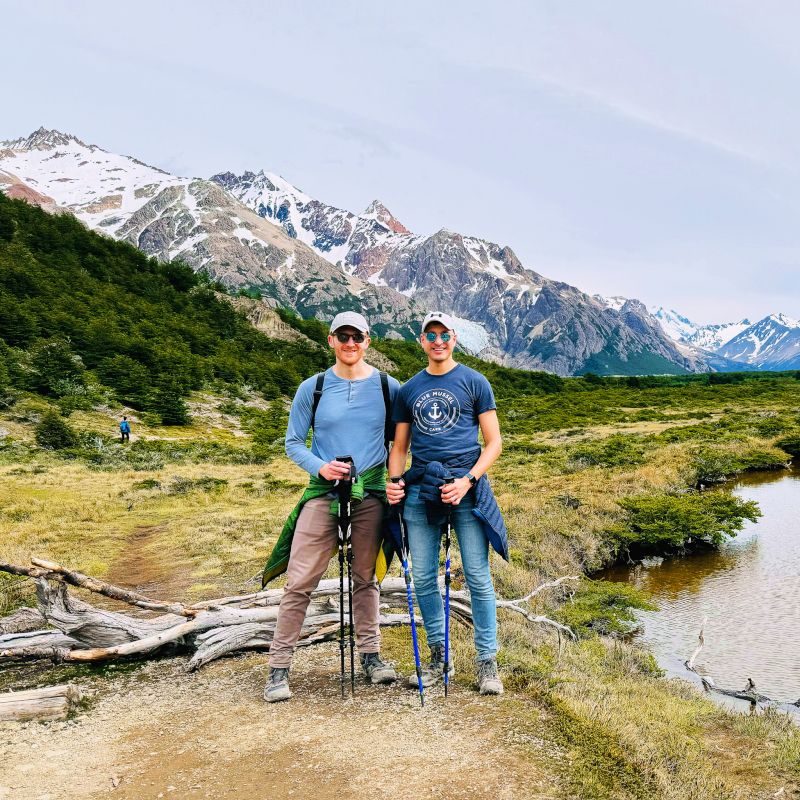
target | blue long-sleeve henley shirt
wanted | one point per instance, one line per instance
(349, 422)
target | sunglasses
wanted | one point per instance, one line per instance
(344, 338)
(432, 337)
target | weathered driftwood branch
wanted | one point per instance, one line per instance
(53, 702)
(749, 693)
(81, 632)
(22, 620)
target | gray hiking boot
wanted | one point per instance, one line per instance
(277, 687)
(488, 678)
(377, 670)
(433, 672)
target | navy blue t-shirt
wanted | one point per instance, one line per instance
(443, 411)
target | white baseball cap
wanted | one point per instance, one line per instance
(440, 317)
(349, 319)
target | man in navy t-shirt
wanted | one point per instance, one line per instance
(438, 413)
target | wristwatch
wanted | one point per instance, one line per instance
(471, 478)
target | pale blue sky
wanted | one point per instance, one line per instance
(650, 150)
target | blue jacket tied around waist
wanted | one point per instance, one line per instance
(431, 476)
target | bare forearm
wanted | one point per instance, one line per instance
(489, 454)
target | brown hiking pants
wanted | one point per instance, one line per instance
(315, 537)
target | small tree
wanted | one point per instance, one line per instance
(52, 433)
(169, 404)
(55, 366)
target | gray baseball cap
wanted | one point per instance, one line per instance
(349, 319)
(441, 317)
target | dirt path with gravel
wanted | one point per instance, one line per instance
(158, 732)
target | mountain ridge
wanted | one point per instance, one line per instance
(258, 231)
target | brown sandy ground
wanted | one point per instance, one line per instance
(158, 732)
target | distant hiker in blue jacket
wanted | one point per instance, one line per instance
(438, 413)
(125, 430)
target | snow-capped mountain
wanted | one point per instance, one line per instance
(707, 337)
(193, 219)
(771, 343)
(505, 311)
(260, 231)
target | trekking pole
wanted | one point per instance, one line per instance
(341, 596)
(404, 558)
(447, 538)
(345, 490)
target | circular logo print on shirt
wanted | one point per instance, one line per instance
(436, 411)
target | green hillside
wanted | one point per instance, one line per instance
(79, 310)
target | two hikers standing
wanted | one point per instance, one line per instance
(438, 414)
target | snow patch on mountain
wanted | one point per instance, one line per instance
(472, 336)
(616, 302)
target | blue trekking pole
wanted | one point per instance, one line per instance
(404, 559)
(447, 538)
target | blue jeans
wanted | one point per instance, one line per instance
(425, 543)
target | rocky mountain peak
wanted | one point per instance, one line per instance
(785, 320)
(378, 211)
(44, 139)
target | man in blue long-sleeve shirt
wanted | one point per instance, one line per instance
(350, 419)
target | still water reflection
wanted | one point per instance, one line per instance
(749, 590)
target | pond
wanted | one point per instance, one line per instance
(749, 590)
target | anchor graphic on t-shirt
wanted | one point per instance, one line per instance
(434, 413)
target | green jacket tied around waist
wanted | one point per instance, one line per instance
(372, 481)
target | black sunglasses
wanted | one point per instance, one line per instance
(344, 338)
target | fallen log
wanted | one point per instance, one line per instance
(23, 619)
(41, 705)
(81, 633)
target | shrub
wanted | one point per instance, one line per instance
(791, 444)
(169, 404)
(615, 451)
(56, 369)
(52, 433)
(713, 464)
(659, 523)
(603, 607)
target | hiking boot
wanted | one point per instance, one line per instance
(433, 672)
(377, 670)
(488, 678)
(277, 687)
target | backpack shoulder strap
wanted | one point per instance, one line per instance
(388, 425)
(317, 396)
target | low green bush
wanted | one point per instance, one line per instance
(663, 523)
(614, 451)
(714, 465)
(52, 433)
(790, 444)
(603, 607)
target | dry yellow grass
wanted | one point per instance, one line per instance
(627, 733)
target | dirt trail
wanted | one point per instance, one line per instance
(159, 732)
(145, 566)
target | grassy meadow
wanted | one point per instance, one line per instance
(593, 470)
